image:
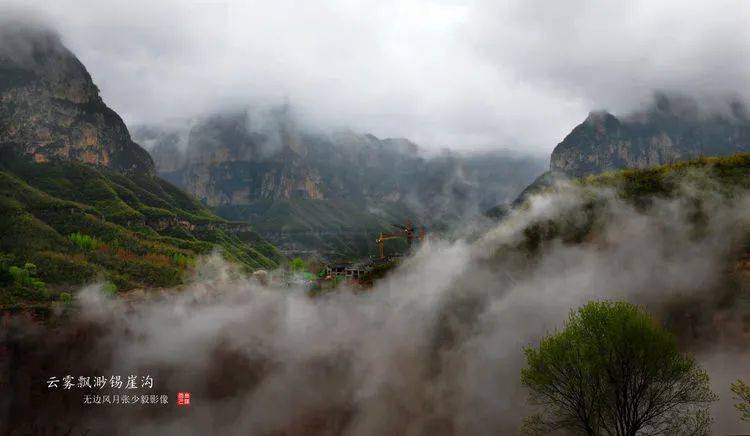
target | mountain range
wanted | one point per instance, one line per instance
(328, 194)
(80, 199)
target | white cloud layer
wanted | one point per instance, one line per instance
(479, 73)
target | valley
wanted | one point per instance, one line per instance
(262, 268)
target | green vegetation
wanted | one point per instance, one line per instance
(78, 223)
(21, 282)
(727, 174)
(109, 288)
(84, 242)
(297, 265)
(742, 392)
(689, 180)
(614, 370)
(340, 228)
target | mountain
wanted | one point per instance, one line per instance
(50, 108)
(79, 200)
(672, 129)
(77, 223)
(327, 194)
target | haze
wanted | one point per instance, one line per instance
(475, 74)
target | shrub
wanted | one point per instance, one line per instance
(157, 259)
(181, 260)
(65, 297)
(297, 265)
(24, 277)
(84, 242)
(109, 288)
(742, 394)
(26, 285)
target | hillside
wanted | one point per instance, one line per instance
(731, 174)
(696, 183)
(77, 223)
(670, 130)
(688, 217)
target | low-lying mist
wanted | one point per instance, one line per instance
(434, 348)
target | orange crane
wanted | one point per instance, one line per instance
(404, 232)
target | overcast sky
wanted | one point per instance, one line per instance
(517, 74)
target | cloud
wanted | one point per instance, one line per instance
(614, 55)
(435, 347)
(443, 73)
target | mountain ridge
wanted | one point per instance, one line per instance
(671, 129)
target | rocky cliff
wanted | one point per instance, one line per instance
(50, 108)
(672, 129)
(235, 159)
(262, 166)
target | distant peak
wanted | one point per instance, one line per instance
(598, 116)
(601, 120)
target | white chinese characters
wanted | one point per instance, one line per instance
(132, 382)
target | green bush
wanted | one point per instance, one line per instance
(742, 394)
(65, 297)
(84, 242)
(25, 283)
(297, 265)
(109, 288)
(25, 276)
(181, 260)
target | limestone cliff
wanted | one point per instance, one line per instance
(669, 131)
(307, 190)
(50, 108)
(237, 159)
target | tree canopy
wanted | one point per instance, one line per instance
(613, 370)
(741, 391)
(297, 265)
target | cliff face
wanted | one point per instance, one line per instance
(50, 108)
(232, 159)
(665, 133)
(224, 162)
(303, 189)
